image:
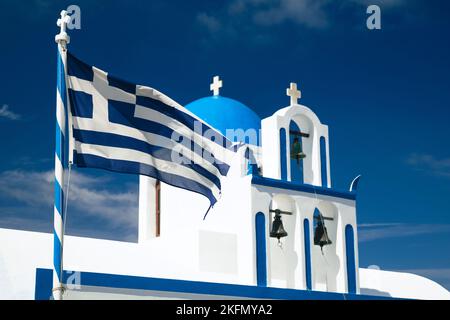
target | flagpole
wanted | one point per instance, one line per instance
(62, 39)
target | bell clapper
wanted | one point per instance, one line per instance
(280, 244)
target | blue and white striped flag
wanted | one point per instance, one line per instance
(129, 128)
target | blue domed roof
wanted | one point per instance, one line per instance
(225, 113)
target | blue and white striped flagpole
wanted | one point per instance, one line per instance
(62, 39)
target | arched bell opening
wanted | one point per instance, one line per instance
(325, 261)
(283, 242)
(296, 152)
(301, 150)
(321, 237)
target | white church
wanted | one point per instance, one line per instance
(279, 231)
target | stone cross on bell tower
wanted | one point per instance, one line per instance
(294, 93)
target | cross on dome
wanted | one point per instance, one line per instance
(294, 93)
(216, 85)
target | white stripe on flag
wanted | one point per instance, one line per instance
(100, 86)
(151, 138)
(145, 158)
(221, 153)
(155, 94)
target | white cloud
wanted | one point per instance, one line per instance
(251, 19)
(5, 112)
(30, 188)
(375, 225)
(211, 23)
(431, 164)
(256, 16)
(18, 222)
(310, 13)
(377, 231)
(381, 3)
(87, 195)
(41, 225)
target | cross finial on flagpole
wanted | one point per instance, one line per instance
(63, 38)
(294, 93)
(216, 85)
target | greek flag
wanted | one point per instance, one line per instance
(129, 128)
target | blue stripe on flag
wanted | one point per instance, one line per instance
(180, 116)
(123, 113)
(91, 161)
(121, 84)
(118, 141)
(78, 68)
(84, 104)
(166, 117)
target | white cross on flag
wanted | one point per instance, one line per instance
(124, 127)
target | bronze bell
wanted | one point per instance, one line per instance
(296, 151)
(277, 228)
(320, 234)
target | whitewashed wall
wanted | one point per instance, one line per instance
(286, 266)
(399, 284)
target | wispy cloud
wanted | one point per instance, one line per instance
(30, 188)
(89, 198)
(377, 231)
(5, 112)
(258, 16)
(381, 3)
(430, 164)
(30, 162)
(211, 23)
(240, 15)
(310, 13)
(41, 225)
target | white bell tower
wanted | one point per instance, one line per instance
(278, 133)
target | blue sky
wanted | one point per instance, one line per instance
(385, 95)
